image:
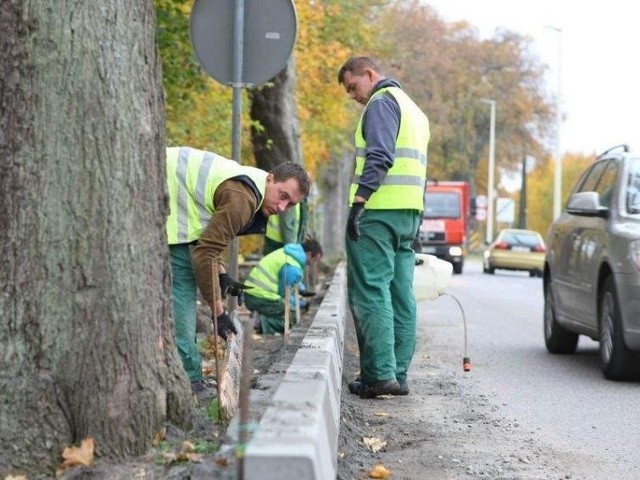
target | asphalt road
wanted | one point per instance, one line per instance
(564, 400)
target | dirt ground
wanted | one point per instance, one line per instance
(441, 430)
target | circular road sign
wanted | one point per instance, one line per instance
(269, 34)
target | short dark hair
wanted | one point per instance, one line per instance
(311, 245)
(357, 65)
(287, 170)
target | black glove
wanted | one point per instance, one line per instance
(226, 326)
(307, 294)
(228, 286)
(353, 222)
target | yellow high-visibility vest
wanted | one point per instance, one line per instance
(403, 187)
(192, 179)
(264, 277)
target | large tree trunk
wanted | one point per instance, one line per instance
(276, 135)
(86, 344)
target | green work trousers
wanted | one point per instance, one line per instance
(380, 292)
(184, 291)
(271, 313)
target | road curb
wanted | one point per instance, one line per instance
(297, 436)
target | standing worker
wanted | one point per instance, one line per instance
(287, 227)
(386, 199)
(211, 201)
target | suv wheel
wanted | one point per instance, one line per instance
(557, 338)
(616, 361)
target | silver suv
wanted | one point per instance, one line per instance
(592, 265)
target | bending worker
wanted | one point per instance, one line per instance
(211, 201)
(386, 199)
(268, 279)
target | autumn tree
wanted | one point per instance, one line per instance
(448, 70)
(540, 187)
(86, 343)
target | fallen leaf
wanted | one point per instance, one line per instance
(18, 477)
(159, 437)
(222, 462)
(74, 456)
(381, 414)
(82, 455)
(379, 471)
(188, 457)
(169, 456)
(374, 443)
(187, 446)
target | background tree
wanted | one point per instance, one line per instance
(198, 109)
(540, 188)
(86, 344)
(275, 129)
(447, 69)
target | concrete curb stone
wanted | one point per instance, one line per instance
(297, 435)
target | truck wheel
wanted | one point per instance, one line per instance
(556, 337)
(616, 361)
(457, 268)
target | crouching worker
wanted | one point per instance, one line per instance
(268, 279)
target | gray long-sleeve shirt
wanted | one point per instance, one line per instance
(380, 126)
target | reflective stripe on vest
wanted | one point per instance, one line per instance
(273, 226)
(403, 186)
(264, 277)
(192, 179)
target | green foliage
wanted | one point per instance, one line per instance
(182, 75)
(213, 410)
(198, 110)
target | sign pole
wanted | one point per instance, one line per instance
(238, 51)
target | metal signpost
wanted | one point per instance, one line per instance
(241, 44)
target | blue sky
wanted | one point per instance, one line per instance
(600, 75)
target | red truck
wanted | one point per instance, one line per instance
(444, 230)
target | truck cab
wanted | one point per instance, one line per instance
(445, 223)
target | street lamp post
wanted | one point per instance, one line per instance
(492, 160)
(557, 180)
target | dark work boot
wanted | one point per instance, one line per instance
(404, 388)
(355, 387)
(375, 389)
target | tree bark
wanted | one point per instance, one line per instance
(275, 135)
(334, 181)
(86, 340)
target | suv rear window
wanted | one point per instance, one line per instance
(633, 187)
